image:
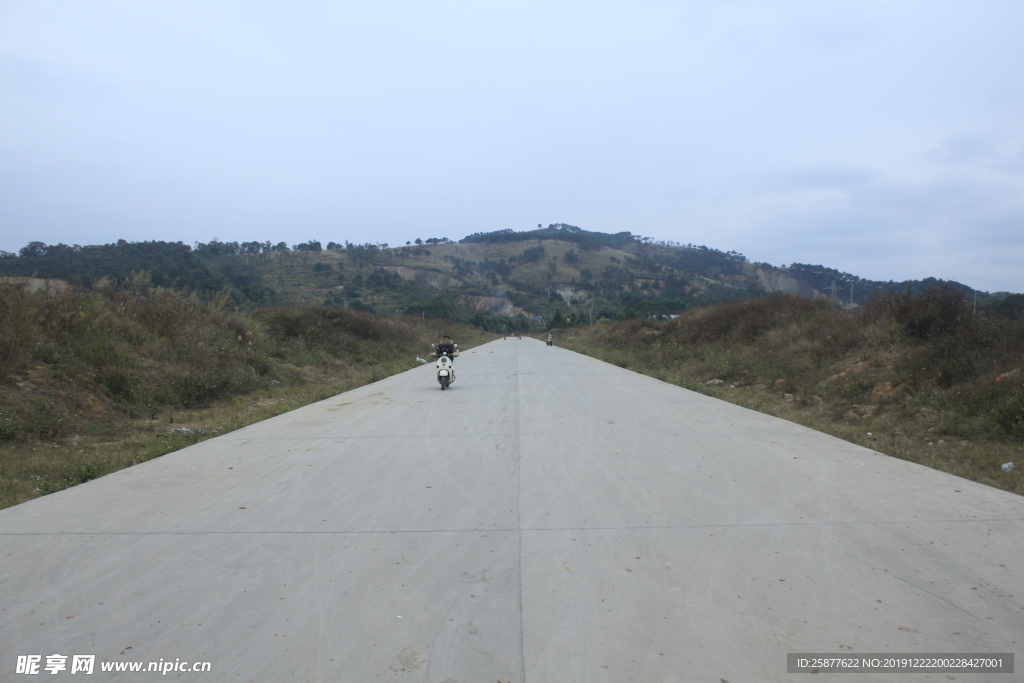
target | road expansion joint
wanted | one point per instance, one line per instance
(519, 529)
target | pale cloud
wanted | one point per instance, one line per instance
(997, 151)
(964, 222)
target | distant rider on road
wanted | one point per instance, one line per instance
(447, 347)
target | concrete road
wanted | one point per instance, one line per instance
(551, 518)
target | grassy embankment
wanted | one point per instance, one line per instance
(922, 379)
(91, 382)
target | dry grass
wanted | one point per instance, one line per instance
(94, 382)
(919, 379)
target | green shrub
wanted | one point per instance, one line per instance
(8, 427)
(84, 473)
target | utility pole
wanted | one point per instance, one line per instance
(851, 295)
(975, 303)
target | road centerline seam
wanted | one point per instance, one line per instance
(519, 516)
(520, 529)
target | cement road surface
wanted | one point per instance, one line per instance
(550, 518)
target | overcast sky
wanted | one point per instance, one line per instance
(885, 139)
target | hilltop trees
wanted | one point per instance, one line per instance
(623, 271)
(168, 263)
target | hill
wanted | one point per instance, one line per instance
(495, 280)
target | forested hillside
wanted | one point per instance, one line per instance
(498, 280)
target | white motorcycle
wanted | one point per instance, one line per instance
(445, 368)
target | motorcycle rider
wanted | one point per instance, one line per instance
(447, 347)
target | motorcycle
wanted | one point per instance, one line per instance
(445, 368)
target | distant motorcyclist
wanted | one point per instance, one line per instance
(550, 342)
(447, 348)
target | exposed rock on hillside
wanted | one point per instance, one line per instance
(498, 305)
(425, 277)
(569, 293)
(775, 280)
